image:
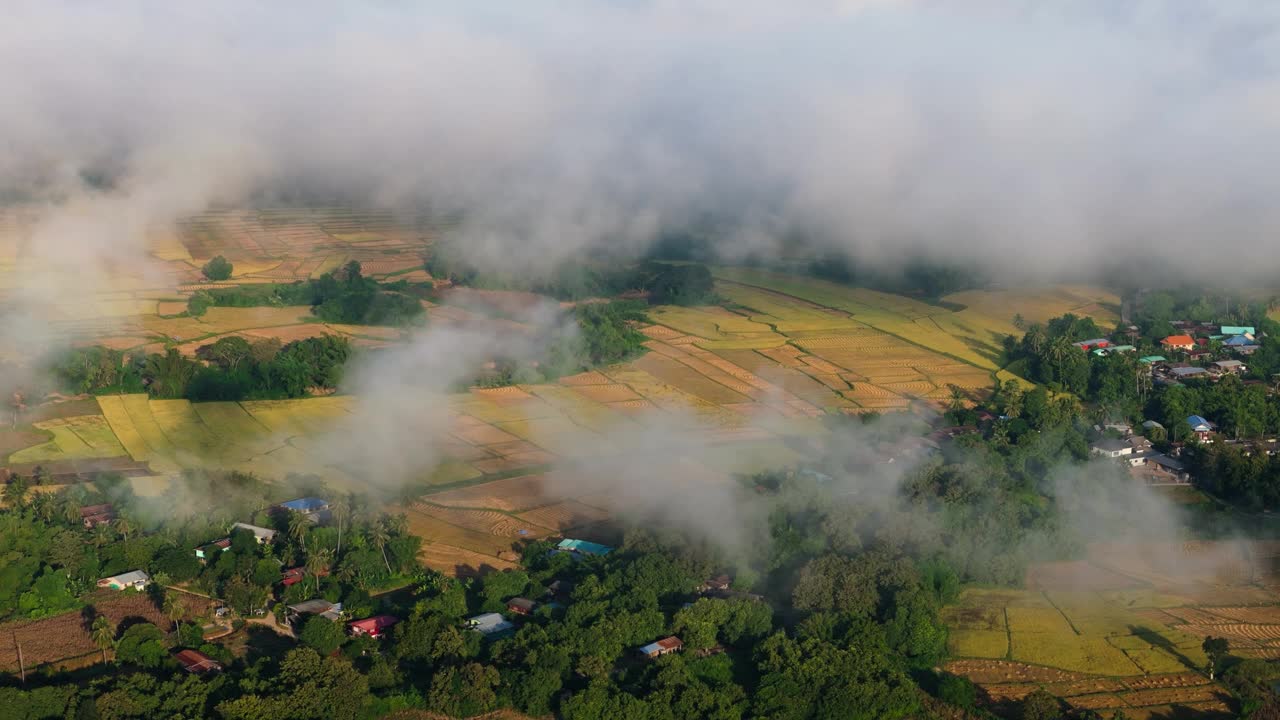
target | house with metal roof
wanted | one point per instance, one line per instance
(1092, 343)
(1230, 366)
(318, 606)
(373, 627)
(261, 534)
(1183, 373)
(661, 647)
(134, 579)
(521, 606)
(204, 552)
(489, 624)
(1201, 427)
(1110, 447)
(1239, 330)
(1178, 342)
(582, 547)
(196, 662)
(1149, 359)
(1104, 351)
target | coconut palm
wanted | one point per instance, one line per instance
(69, 508)
(169, 373)
(379, 536)
(299, 526)
(125, 526)
(42, 506)
(101, 535)
(341, 509)
(173, 608)
(15, 492)
(103, 634)
(317, 563)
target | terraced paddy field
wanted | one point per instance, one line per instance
(1100, 637)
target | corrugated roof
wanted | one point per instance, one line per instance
(1178, 340)
(1238, 330)
(307, 504)
(583, 546)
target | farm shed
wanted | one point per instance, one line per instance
(196, 662)
(136, 579)
(489, 624)
(374, 627)
(261, 534)
(204, 552)
(661, 647)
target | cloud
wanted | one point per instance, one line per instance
(1034, 140)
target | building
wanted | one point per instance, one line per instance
(1242, 344)
(293, 576)
(1239, 330)
(196, 662)
(94, 515)
(489, 624)
(1188, 373)
(373, 627)
(261, 534)
(1110, 447)
(661, 647)
(521, 606)
(1105, 350)
(719, 583)
(204, 552)
(582, 547)
(1201, 427)
(1230, 366)
(318, 606)
(1088, 345)
(1152, 359)
(136, 579)
(1178, 342)
(316, 509)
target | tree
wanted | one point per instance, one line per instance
(173, 608)
(317, 565)
(169, 374)
(142, 644)
(379, 536)
(1216, 649)
(299, 526)
(217, 269)
(957, 690)
(124, 526)
(1040, 705)
(322, 634)
(341, 509)
(103, 634)
(15, 492)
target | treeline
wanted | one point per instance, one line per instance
(920, 278)
(232, 368)
(1154, 311)
(344, 296)
(664, 283)
(605, 335)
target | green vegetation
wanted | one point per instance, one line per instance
(231, 368)
(217, 269)
(343, 296)
(605, 334)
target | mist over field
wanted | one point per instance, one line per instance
(1037, 141)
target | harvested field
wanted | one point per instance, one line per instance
(1174, 696)
(1174, 680)
(491, 522)
(1267, 615)
(987, 672)
(459, 562)
(607, 393)
(990, 644)
(564, 515)
(1076, 575)
(1086, 687)
(435, 530)
(66, 636)
(1099, 701)
(510, 494)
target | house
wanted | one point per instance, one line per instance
(94, 515)
(196, 662)
(521, 606)
(1110, 447)
(719, 583)
(372, 627)
(1088, 345)
(661, 647)
(489, 624)
(136, 579)
(1104, 351)
(204, 552)
(1188, 373)
(1178, 342)
(318, 606)
(560, 589)
(1152, 359)
(1199, 354)
(1230, 366)
(293, 576)
(261, 534)
(1242, 344)
(1239, 330)
(1201, 427)
(1150, 425)
(582, 547)
(314, 508)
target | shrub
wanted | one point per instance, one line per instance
(217, 269)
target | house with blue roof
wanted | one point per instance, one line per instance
(316, 509)
(1201, 427)
(582, 547)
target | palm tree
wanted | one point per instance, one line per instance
(341, 509)
(170, 373)
(103, 634)
(124, 526)
(299, 526)
(69, 508)
(173, 608)
(957, 398)
(1018, 321)
(379, 536)
(101, 535)
(1036, 338)
(42, 506)
(317, 563)
(15, 492)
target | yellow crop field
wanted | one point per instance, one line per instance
(1071, 652)
(74, 438)
(991, 644)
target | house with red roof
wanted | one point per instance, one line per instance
(196, 662)
(374, 627)
(1178, 342)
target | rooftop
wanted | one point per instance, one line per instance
(1188, 371)
(666, 643)
(374, 624)
(1228, 364)
(489, 623)
(1110, 444)
(1197, 421)
(583, 546)
(305, 505)
(1153, 359)
(194, 661)
(1178, 340)
(315, 607)
(258, 532)
(1239, 341)
(1238, 330)
(129, 578)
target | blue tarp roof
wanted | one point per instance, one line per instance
(582, 546)
(1236, 340)
(307, 504)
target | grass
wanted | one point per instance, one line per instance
(987, 644)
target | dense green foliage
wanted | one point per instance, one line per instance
(603, 333)
(917, 278)
(217, 269)
(231, 368)
(344, 296)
